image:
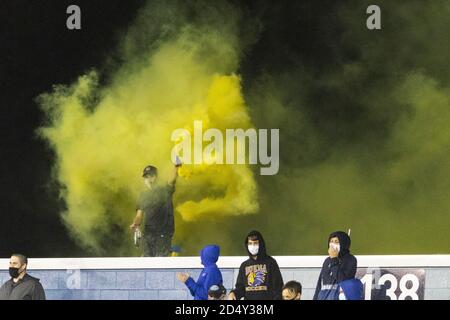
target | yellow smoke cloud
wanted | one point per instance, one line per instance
(102, 150)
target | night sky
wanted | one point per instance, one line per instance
(37, 51)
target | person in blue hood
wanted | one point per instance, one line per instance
(338, 267)
(209, 276)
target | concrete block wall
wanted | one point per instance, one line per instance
(142, 284)
(155, 278)
(437, 284)
(159, 284)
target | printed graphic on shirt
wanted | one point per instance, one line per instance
(256, 277)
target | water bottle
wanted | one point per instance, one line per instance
(137, 237)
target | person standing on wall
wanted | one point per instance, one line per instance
(155, 208)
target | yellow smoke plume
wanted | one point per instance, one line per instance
(101, 147)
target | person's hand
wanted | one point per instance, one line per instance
(332, 252)
(133, 227)
(231, 296)
(182, 277)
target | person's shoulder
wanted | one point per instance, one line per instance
(326, 261)
(271, 259)
(142, 195)
(272, 262)
(32, 279)
(352, 257)
(247, 262)
(169, 187)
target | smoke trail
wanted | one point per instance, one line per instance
(176, 70)
(363, 118)
(366, 126)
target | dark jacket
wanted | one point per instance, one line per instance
(28, 288)
(209, 276)
(335, 270)
(259, 279)
(157, 206)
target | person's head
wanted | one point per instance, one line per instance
(292, 290)
(340, 240)
(17, 265)
(150, 175)
(217, 292)
(254, 243)
(210, 254)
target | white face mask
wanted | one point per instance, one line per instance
(253, 249)
(335, 246)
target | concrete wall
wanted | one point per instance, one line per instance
(156, 280)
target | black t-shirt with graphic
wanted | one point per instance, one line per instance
(157, 206)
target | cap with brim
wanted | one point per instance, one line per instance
(149, 171)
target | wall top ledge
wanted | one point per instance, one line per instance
(225, 262)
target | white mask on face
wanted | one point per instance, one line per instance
(335, 246)
(253, 249)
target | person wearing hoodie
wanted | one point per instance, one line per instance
(338, 267)
(209, 276)
(259, 277)
(21, 286)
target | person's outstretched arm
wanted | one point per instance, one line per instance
(199, 289)
(174, 176)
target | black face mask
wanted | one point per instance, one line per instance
(14, 272)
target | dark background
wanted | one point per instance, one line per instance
(38, 51)
(374, 99)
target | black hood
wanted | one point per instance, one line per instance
(262, 245)
(344, 241)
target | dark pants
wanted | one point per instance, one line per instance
(156, 245)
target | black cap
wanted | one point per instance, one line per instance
(216, 291)
(150, 171)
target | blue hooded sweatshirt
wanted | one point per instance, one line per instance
(209, 276)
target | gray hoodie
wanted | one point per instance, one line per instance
(27, 288)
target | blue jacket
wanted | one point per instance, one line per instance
(209, 276)
(353, 289)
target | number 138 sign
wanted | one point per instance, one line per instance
(392, 283)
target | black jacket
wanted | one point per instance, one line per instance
(28, 288)
(259, 279)
(335, 270)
